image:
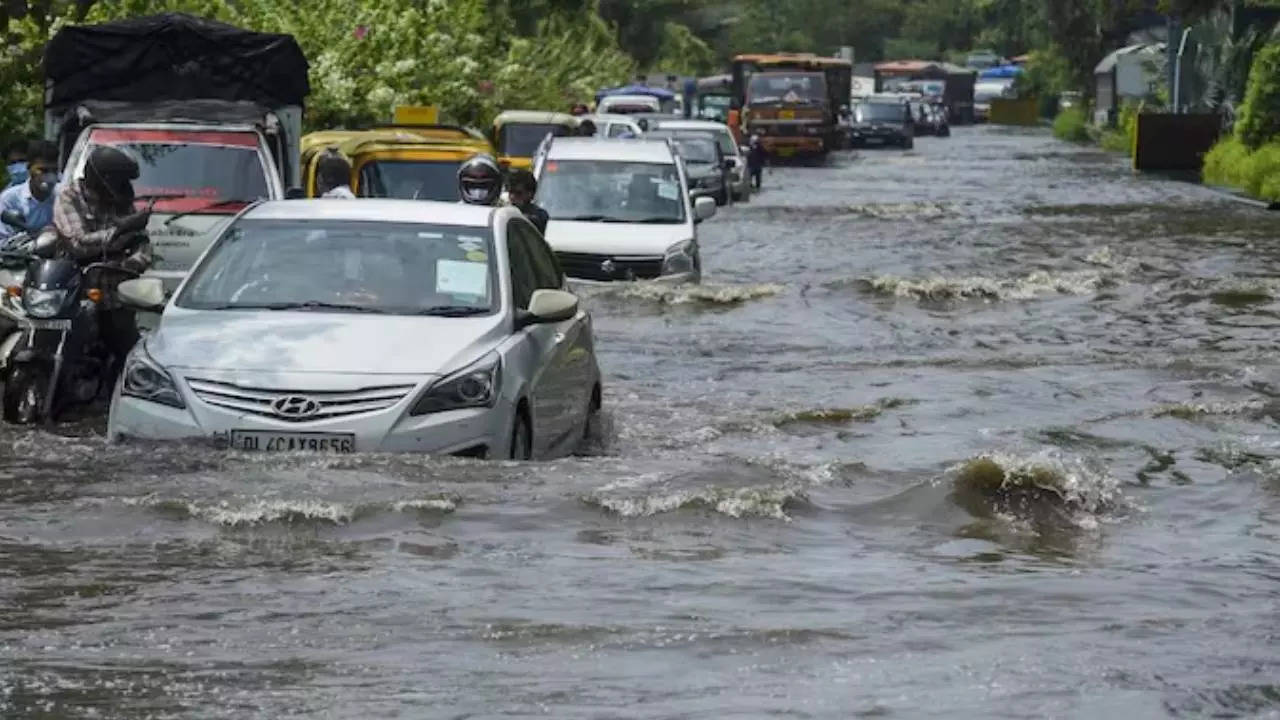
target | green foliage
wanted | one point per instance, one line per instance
(684, 53)
(1124, 138)
(1259, 120)
(1072, 125)
(1257, 172)
(369, 55)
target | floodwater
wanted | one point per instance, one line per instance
(987, 429)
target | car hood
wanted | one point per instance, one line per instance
(615, 238)
(285, 341)
(701, 168)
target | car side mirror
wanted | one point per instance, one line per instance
(731, 162)
(548, 306)
(13, 218)
(295, 193)
(145, 294)
(704, 208)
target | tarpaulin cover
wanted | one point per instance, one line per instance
(1002, 71)
(172, 56)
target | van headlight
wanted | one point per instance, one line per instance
(43, 303)
(680, 258)
(474, 386)
(143, 378)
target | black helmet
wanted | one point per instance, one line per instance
(480, 180)
(110, 172)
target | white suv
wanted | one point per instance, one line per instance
(620, 210)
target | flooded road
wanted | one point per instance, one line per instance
(987, 429)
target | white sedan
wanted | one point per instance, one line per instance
(359, 326)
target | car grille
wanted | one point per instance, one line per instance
(588, 266)
(327, 404)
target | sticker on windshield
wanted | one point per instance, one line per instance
(478, 256)
(469, 243)
(667, 190)
(458, 277)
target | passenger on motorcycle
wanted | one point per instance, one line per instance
(96, 224)
(15, 160)
(480, 181)
(33, 199)
(521, 188)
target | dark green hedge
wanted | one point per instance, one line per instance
(1259, 119)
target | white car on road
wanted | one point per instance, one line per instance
(620, 210)
(360, 326)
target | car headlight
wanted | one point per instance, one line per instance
(43, 303)
(680, 259)
(476, 385)
(144, 379)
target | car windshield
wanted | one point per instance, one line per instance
(215, 172)
(410, 180)
(879, 112)
(346, 266)
(611, 191)
(787, 87)
(696, 149)
(522, 139)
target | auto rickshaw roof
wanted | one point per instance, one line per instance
(353, 143)
(534, 117)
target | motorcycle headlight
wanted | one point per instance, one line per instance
(681, 258)
(144, 379)
(475, 386)
(43, 303)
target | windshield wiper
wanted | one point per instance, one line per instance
(452, 311)
(582, 218)
(210, 206)
(656, 220)
(308, 305)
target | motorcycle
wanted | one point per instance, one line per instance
(55, 356)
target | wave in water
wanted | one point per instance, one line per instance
(1190, 411)
(977, 287)
(1046, 484)
(689, 294)
(249, 512)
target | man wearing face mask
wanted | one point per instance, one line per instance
(15, 159)
(33, 199)
(96, 223)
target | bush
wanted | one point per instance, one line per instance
(1259, 120)
(1124, 138)
(1232, 164)
(1071, 125)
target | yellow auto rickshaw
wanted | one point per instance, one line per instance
(518, 133)
(396, 162)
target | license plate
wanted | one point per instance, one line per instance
(787, 115)
(266, 441)
(786, 152)
(875, 141)
(37, 324)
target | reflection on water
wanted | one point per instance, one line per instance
(988, 429)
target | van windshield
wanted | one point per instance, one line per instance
(522, 139)
(410, 180)
(611, 191)
(217, 172)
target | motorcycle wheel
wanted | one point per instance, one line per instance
(24, 392)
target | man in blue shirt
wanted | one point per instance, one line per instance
(33, 199)
(15, 162)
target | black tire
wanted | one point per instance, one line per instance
(24, 395)
(522, 438)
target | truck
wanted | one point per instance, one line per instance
(792, 101)
(211, 112)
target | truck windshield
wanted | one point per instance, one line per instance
(218, 172)
(787, 87)
(410, 180)
(611, 191)
(522, 139)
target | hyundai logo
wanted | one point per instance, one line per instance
(295, 407)
(608, 267)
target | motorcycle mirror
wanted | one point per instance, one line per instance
(13, 218)
(45, 246)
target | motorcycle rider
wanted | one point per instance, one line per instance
(521, 187)
(480, 181)
(96, 223)
(33, 200)
(15, 160)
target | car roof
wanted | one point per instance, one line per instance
(610, 118)
(617, 99)
(373, 210)
(707, 125)
(534, 117)
(638, 150)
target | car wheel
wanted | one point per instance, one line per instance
(521, 438)
(24, 392)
